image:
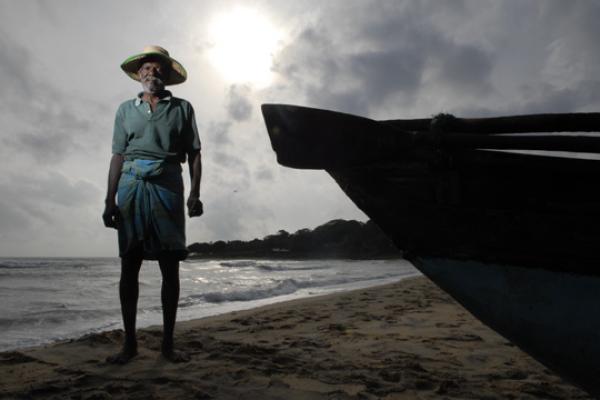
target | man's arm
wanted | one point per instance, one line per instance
(114, 174)
(195, 208)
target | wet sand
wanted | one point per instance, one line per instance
(407, 340)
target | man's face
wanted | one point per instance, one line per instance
(152, 75)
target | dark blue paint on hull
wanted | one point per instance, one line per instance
(554, 316)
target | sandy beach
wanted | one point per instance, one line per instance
(406, 340)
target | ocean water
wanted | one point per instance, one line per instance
(43, 300)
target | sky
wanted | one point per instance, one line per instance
(61, 85)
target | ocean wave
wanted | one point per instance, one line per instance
(281, 288)
(237, 264)
(43, 298)
(270, 267)
(21, 289)
(23, 264)
(287, 286)
(54, 317)
(278, 267)
(52, 264)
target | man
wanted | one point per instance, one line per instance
(152, 136)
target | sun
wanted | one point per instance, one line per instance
(242, 44)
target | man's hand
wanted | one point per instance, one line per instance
(110, 216)
(195, 207)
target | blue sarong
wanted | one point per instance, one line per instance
(151, 209)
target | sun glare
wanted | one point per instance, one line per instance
(242, 46)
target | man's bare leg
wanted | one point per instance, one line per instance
(169, 268)
(128, 294)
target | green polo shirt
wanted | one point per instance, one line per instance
(168, 133)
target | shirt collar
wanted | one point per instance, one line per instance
(165, 96)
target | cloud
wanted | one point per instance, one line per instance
(47, 213)
(53, 187)
(464, 67)
(375, 63)
(265, 173)
(547, 98)
(233, 215)
(480, 58)
(14, 217)
(224, 170)
(49, 136)
(228, 160)
(44, 122)
(15, 62)
(238, 104)
(218, 132)
(42, 199)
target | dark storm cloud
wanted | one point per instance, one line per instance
(577, 19)
(384, 57)
(312, 65)
(238, 104)
(44, 125)
(475, 58)
(572, 62)
(546, 98)
(384, 73)
(466, 68)
(408, 43)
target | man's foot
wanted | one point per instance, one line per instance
(124, 356)
(175, 356)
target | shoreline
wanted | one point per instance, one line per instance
(207, 288)
(397, 341)
(222, 309)
(288, 257)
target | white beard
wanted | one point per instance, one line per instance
(153, 85)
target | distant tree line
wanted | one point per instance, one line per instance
(335, 239)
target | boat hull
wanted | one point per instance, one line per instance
(550, 314)
(492, 207)
(512, 237)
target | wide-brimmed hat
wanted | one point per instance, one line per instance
(132, 64)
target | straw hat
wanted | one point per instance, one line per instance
(132, 64)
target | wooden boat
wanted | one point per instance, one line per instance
(502, 213)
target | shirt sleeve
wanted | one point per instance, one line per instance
(119, 141)
(192, 139)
